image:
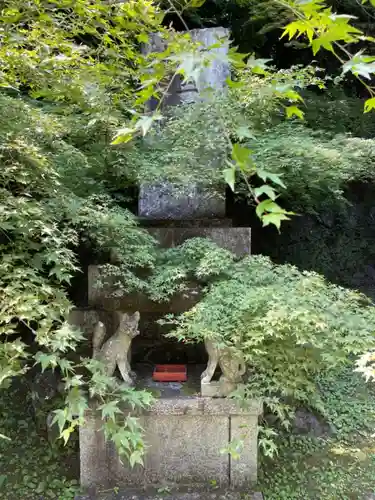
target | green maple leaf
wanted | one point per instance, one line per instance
(110, 409)
(264, 175)
(244, 132)
(274, 218)
(123, 135)
(60, 418)
(369, 104)
(267, 190)
(240, 154)
(46, 360)
(230, 176)
(294, 111)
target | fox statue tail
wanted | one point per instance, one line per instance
(242, 368)
(97, 338)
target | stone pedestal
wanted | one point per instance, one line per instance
(185, 439)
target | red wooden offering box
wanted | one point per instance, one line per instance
(170, 373)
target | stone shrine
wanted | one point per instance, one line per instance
(190, 423)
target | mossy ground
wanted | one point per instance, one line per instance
(338, 467)
(30, 469)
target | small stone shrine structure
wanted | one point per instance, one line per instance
(189, 425)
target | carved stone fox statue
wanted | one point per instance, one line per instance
(232, 366)
(116, 350)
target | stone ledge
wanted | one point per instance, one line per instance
(165, 200)
(185, 223)
(203, 406)
(195, 406)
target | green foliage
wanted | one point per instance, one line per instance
(196, 260)
(267, 15)
(349, 403)
(315, 168)
(316, 22)
(42, 219)
(30, 467)
(329, 476)
(339, 466)
(74, 52)
(82, 61)
(42, 222)
(288, 325)
(329, 183)
(180, 152)
(338, 113)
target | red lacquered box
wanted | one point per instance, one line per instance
(170, 373)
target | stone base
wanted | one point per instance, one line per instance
(185, 438)
(210, 493)
(218, 389)
(210, 390)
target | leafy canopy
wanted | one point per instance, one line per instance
(289, 325)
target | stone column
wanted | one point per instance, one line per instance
(164, 200)
(212, 77)
(93, 452)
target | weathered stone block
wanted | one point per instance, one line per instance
(243, 429)
(214, 75)
(185, 437)
(174, 454)
(93, 453)
(210, 389)
(84, 319)
(170, 201)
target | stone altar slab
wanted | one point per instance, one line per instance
(185, 437)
